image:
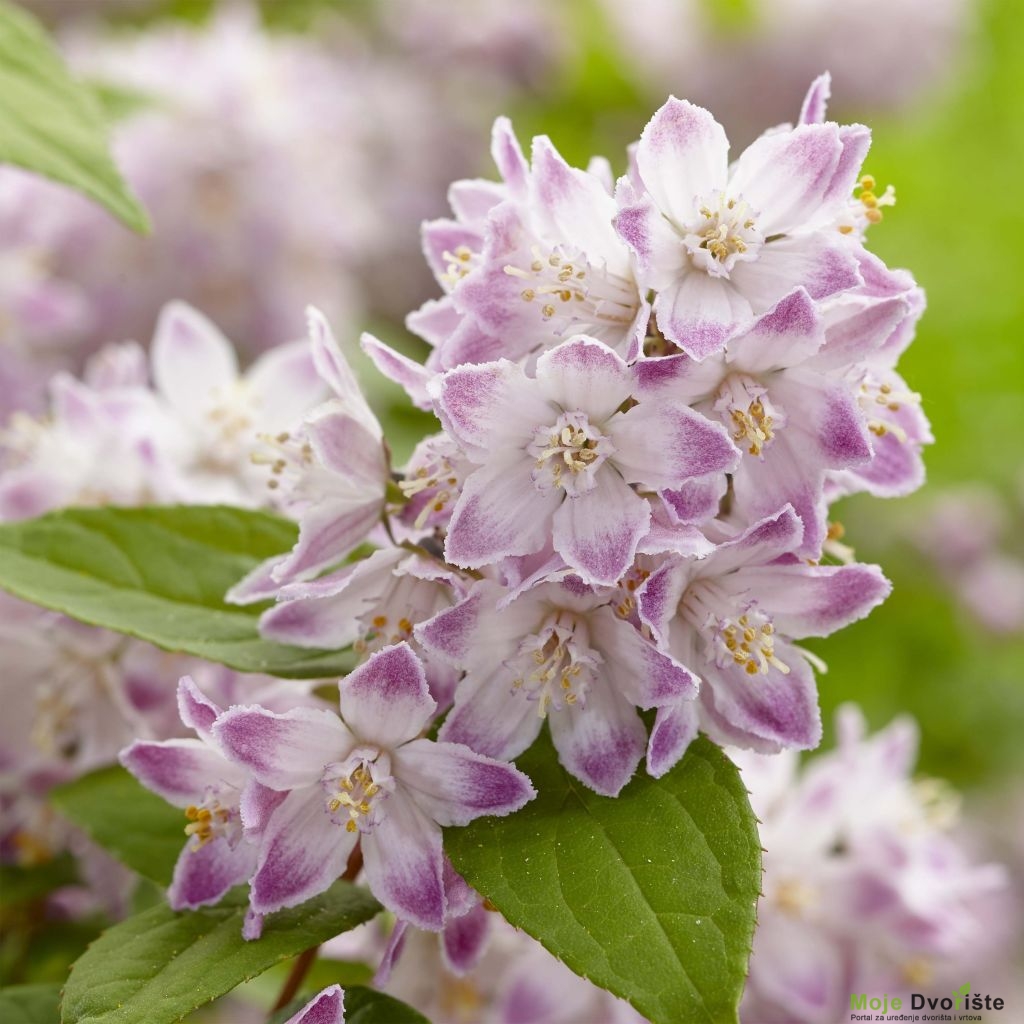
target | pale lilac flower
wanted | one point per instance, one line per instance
(370, 604)
(331, 473)
(96, 447)
(218, 411)
(562, 652)
(195, 775)
(556, 456)
(551, 266)
(732, 619)
(326, 1007)
(795, 392)
(369, 780)
(721, 245)
(432, 483)
(866, 887)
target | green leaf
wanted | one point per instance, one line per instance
(139, 828)
(365, 1006)
(159, 574)
(159, 966)
(362, 1006)
(651, 895)
(51, 125)
(30, 1004)
(22, 885)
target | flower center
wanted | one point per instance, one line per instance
(357, 788)
(568, 454)
(432, 487)
(459, 264)
(230, 418)
(865, 207)
(724, 234)
(209, 820)
(880, 400)
(744, 407)
(577, 294)
(746, 639)
(554, 667)
(289, 458)
(380, 630)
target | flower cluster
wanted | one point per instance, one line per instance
(281, 800)
(184, 425)
(867, 887)
(649, 391)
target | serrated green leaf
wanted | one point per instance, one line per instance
(22, 885)
(651, 895)
(139, 828)
(30, 1004)
(366, 1006)
(159, 966)
(51, 125)
(159, 574)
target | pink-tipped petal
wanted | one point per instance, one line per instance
(180, 771)
(699, 312)
(195, 709)
(386, 700)
(500, 513)
(302, 852)
(585, 375)
(191, 359)
(203, 875)
(601, 743)
(675, 728)
(325, 1008)
(454, 785)
(662, 443)
(815, 105)
(404, 863)
(597, 533)
(283, 751)
(682, 155)
(815, 600)
(491, 718)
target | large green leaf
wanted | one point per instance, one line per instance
(159, 966)
(159, 574)
(30, 1004)
(51, 125)
(136, 826)
(651, 895)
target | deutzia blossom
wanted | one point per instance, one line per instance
(557, 455)
(794, 392)
(368, 780)
(220, 412)
(723, 244)
(371, 604)
(558, 651)
(732, 618)
(331, 473)
(866, 886)
(195, 775)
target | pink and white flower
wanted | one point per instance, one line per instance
(331, 473)
(794, 391)
(867, 888)
(218, 412)
(326, 1007)
(722, 244)
(195, 775)
(367, 779)
(557, 455)
(732, 619)
(561, 652)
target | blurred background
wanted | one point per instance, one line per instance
(320, 133)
